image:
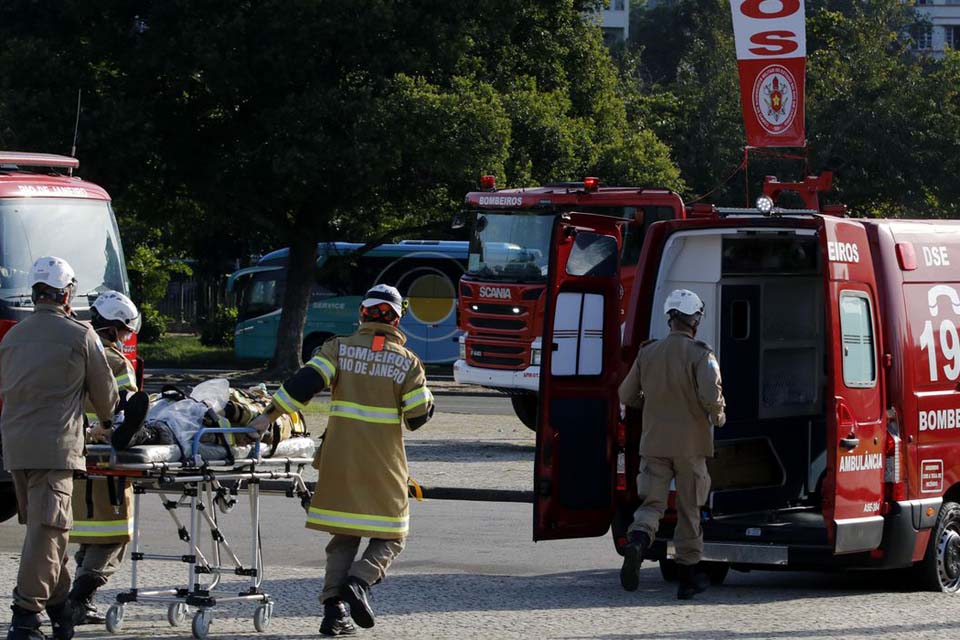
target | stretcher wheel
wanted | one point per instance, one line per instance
(261, 617)
(177, 614)
(115, 618)
(201, 624)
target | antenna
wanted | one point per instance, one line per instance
(76, 128)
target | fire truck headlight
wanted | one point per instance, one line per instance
(765, 204)
(535, 357)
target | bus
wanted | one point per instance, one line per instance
(45, 210)
(425, 271)
(502, 291)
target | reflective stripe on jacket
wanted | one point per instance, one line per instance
(96, 519)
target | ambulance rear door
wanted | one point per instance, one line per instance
(855, 417)
(575, 466)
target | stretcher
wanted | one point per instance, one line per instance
(205, 483)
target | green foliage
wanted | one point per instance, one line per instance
(185, 351)
(153, 325)
(150, 274)
(218, 329)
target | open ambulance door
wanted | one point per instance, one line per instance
(575, 466)
(855, 417)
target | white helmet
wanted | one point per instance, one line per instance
(384, 293)
(684, 301)
(53, 272)
(114, 306)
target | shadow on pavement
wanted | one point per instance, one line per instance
(468, 451)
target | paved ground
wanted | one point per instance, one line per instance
(471, 571)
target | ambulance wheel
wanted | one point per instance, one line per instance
(177, 614)
(526, 406)
(668, 570)
(201, 624)
(115, 618)
(261, 617)
(940, 569)
(716, 571)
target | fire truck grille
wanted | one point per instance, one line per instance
(497, 355)
(498, 323)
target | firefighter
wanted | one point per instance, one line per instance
(677, 382)
(48, 363)
(101, 507)
(377, 386)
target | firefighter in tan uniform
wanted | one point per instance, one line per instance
(48, 363)
(102, 514)
(677, 382)
(377, 386)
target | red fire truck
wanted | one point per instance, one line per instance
(840, 353)
(500, 306)
(44, 210)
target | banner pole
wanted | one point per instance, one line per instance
(746, 174)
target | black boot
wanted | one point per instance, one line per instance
(632, 559)
(336, 620)
(134, 414)
(81, 600)
(25, 625)
(691, 581)
(355, 592)
(61, 619)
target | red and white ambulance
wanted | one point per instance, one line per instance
(839, 346)
(45, 210)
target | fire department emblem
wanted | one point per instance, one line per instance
(775, 99)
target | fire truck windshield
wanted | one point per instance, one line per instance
(82, 232)
(510, 245)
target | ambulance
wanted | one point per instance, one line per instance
(839, 347)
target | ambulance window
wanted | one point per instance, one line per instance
(593, 255)
(856, 328)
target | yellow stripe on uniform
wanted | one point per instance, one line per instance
(323, 366)
(287, 402)
(126, 382)
(416, 398)
(102, 528)
(358, 521)
(365, 413)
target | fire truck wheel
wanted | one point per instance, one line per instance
(8, 501)
(526, 407)
(668, 569)
(940, 569)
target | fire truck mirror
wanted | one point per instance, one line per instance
(459, 220)
(481, 223)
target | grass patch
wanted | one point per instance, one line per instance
(317, 409)
(185, 350)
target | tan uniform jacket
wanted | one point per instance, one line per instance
(48, 363)
(362, 483)
(106, 517)
(677, 381)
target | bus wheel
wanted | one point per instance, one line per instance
(8, 501)
(940, 568)
(311, 343)
(526, 406)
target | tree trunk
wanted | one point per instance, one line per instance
(301, 266)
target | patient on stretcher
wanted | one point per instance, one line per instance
(132, 429)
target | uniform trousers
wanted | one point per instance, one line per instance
(44, 498)
(693, 489)
(99, 560)
(342, 561)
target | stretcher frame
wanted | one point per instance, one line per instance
(202, 491)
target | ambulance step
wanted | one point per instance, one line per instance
(740, 553)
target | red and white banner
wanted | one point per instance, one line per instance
(771, 55)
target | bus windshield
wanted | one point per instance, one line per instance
(82, 232)
(510, 245)
(259, 293)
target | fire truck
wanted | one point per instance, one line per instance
(839, 347)
(501, 302)
(45, 210)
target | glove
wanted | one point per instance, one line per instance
(262, 422)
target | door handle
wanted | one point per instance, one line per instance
(849, 443)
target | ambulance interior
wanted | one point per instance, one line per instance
(763, 295)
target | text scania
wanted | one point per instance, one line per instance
(939, 420)
(864, 462)
(843, 252)
(503, 293)
(500, 201)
